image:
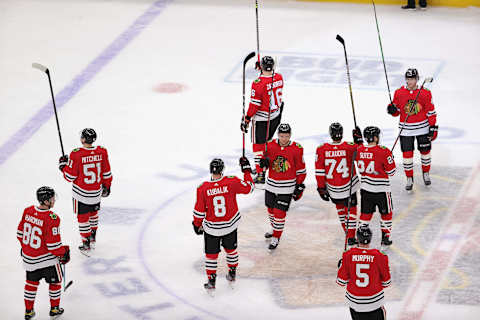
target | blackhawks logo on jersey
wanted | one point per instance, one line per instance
(280, 164)
(412, 110)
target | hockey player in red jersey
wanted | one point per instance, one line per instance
(421, 124)
(376, 164)
(42, 251)
(88, 169)
(333, 165)
(216, 215)
(365, 271)
(286, 173)
(266, 97)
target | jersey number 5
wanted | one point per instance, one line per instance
(31, 236)
(219, 206)
(363, 280)
(92, 176)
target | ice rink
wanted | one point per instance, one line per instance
(114, 66)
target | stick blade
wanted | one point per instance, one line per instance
(429, 80)
(39, 67)
(248, 57)
(339, 38)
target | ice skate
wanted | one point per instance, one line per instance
(409, 185)
(386, 239)
(268, 234)
(210, 285)
(93, 240)
(56, 312)
(273, 244)
(409, 7)
(426, 179)
(85, 247)
(29, 314)
(231, 276)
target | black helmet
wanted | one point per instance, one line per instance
(217, 166)
(370, 132)
(284, 128)
(411, 73)
(45, 193)
(364, 235)
(336, 131)
(89, 135)
(267, 63)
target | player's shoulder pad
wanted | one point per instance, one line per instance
(102, 147)
(257, 80)
(200, 185)
(351, 143)
(298, 145)
(53, 216)
(75, 150)
(232, 177)
(383, 147)
(426, 89)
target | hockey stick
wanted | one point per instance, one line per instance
(349, 205)
(248, 57)
(257, 65)
(65, 287)
(340, 39)
(381, 51)
(45, 69)
(427, 80)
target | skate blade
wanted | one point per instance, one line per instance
(231, 284)
(211, 292)
(55, 317)
(85, 253)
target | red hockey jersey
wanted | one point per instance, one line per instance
(39, 236)
(262, 97)
(375, 164)
(365, 272)
(332, 169)
(423, 114)
(88, 169)
(287, 167)
(216, 206)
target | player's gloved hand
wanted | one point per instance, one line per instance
(62, 162)
(323, 194)
(357, 135)
(432, 134)
(392, 109)
(105, 191)
(339, 264)
(244, 124)
(245, 165)
(198, 230)
(65, 258)
(298, 192)
(264, 162)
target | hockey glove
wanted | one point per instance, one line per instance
(433, 133)
(245, 165)
(298, 192)
(198, 230)
(264, 162)
(66, 256)
(244, 124)
(357, 135)
(392, 109)
(323, 194)
(105, 191)
(62, 162)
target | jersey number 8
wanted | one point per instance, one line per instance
(219, 206)
(31, 236)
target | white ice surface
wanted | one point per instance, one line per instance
(148, 134)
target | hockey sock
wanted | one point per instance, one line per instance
(271, 216)
(408, 163)
(365, 219)
(84, 225)
(30, 293)
(232, 258)
(341, 210)
(211, 263)
(278, 222)
(386, 223)
(352, 222)
(54, 291)
(257, 155)
(93, 219)
(426, 160)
